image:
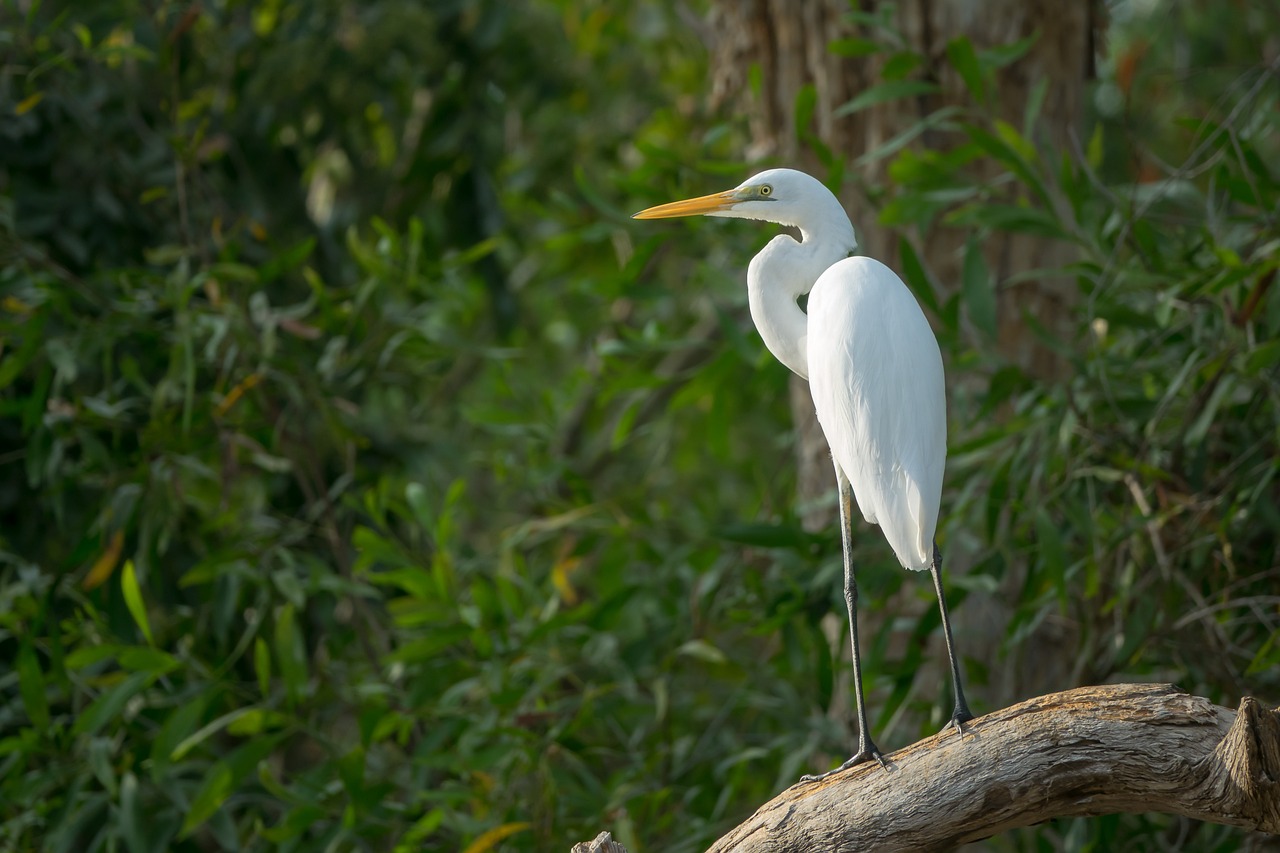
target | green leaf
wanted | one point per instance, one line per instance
(146, 659)
(1010, 136)
(938, 119)
(110, 703)
(351, 769)
(255, 721)
(489, 839)
(162, 256)
(1268, 657)
(221, 780)
(1093, 152)
(424, 826)
(622, 428)
(1205, 417)
(806, 103)
(217, 785)
(1008, 217)
(133, 600)
(273, 785)
(900, 64)
(1263, 357)
(978, 291)
(132, 818)
(416, 495)
(176, 729)
(291, 653)
(965, 60)
(768, 535)
(12, 365)
(891, 90)
(1043, 335)
(297, 821)
(1052, 556)
(229, 271)
(1035, 102)
(854, 47)
(1005, 382)
(1099, 472)
(99, 763)
(213, 727)
(917, 279)
(430, 646)
(1007, 146)
(262, 665)
(28, 103)
(1006, 54)
(31, 686)
(289, 259)
(703, 651)
(997, 498)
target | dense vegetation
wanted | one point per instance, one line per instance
(370, 481)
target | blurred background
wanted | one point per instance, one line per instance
(370, 481)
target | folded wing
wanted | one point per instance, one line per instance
(876, 377)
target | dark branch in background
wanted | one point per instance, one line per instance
(1254, 299)
(1088, 751)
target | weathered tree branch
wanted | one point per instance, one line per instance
(1088, 751)
(603, 843)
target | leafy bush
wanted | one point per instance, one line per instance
(372, 483)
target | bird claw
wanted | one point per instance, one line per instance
(863, 755)
(957, 722)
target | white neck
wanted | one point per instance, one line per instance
(784, 271)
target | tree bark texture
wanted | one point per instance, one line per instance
(1088, 751)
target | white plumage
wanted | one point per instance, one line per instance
(874, 370)
(875, 373)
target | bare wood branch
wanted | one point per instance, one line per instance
(1088, 751)
(603, 843)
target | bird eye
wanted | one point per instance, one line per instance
(766, 190)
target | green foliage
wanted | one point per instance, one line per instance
(372, 483)
(306, 544)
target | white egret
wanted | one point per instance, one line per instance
(874, 370)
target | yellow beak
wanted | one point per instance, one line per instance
(691, 206)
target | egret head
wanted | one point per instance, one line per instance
(777, 195)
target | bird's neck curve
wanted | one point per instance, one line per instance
(785, 270)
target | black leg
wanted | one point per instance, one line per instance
(961, 714)
(867, 749)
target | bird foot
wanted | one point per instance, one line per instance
(867, 753)
(958, 719)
